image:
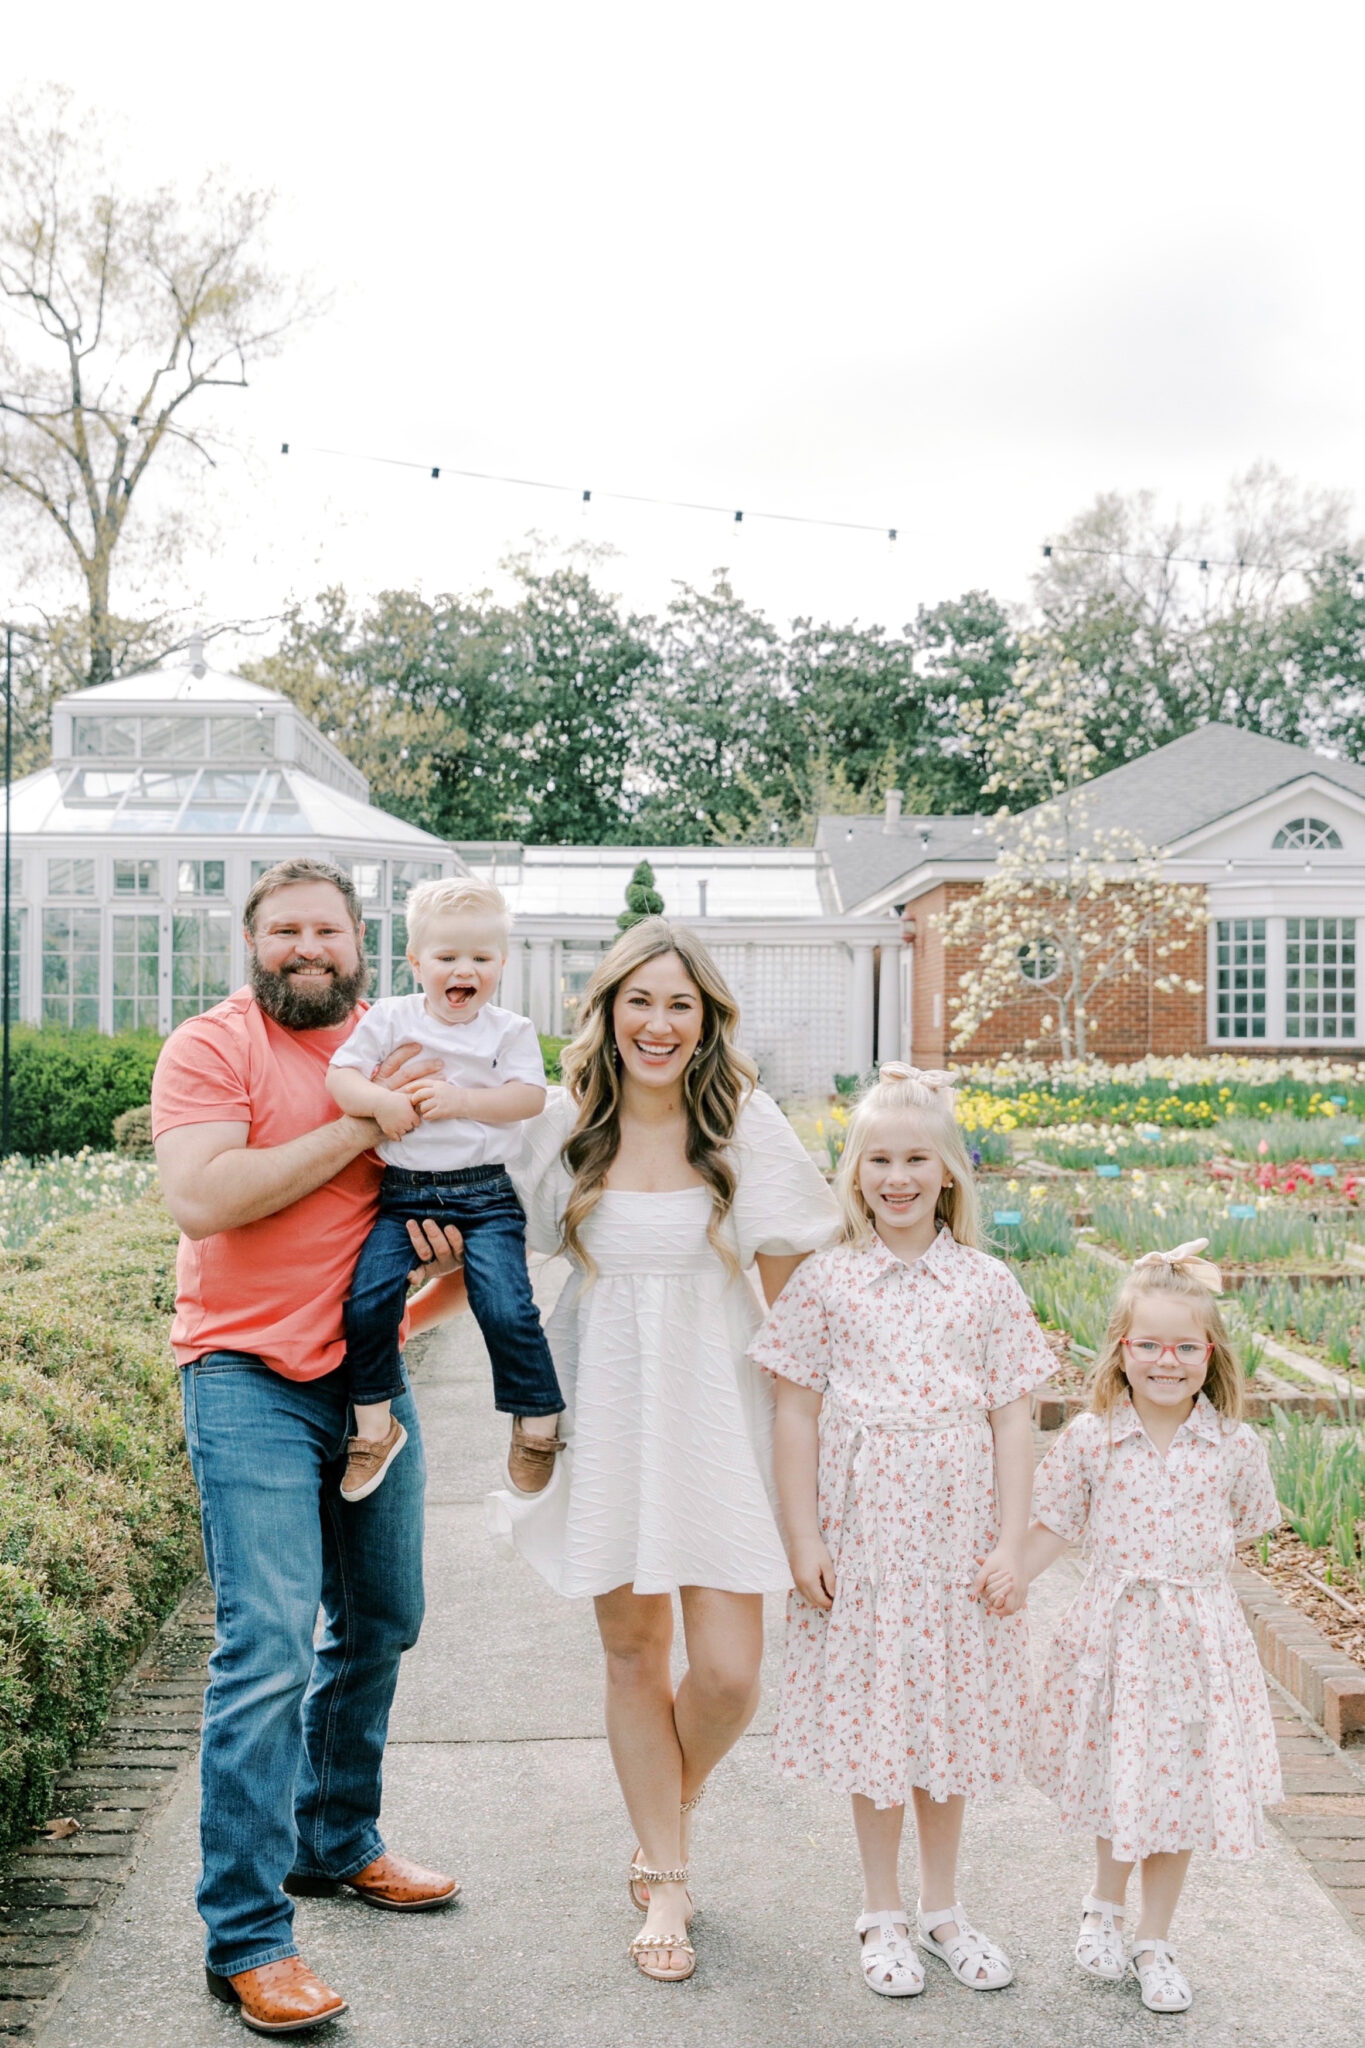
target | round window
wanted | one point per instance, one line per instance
(1038, 961)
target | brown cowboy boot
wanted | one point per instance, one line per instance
(279, 1998)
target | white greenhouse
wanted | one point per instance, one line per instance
(169, 793)
(132, 854)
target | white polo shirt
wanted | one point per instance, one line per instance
(493, 1047)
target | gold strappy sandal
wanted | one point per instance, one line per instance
(646, 1945)
(639, 1896)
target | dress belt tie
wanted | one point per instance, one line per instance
(1180, 1684)
(860, 1483)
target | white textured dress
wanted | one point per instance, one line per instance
(667, 1478)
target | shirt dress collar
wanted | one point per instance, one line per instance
(938, 1261)
(1203, 1420)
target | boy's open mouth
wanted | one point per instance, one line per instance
(459, 993)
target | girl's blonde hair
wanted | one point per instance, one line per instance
(1223, 1384)
(453, 896)
(902, 1090)
(718, 1079)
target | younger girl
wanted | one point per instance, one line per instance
(903, 1360)
(1154, 1729)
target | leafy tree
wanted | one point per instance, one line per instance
(124, 310)
(1068, 904)
(580, 668)
(642, 898)
(966, 650)
(717, 734)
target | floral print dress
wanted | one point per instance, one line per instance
(1154, 1729)
(908, 1680)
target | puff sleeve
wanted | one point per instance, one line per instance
(1017, 1357)
(782, 1204)
(794, 1339)
(1254, 1506)
(540, 1177)
(1061, 1485)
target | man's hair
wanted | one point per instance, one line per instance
(300, 868)
(453, 896)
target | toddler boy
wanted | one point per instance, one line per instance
(447, 1140)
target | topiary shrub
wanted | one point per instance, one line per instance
(642, 898)
(67, 1087)
(133, 1132)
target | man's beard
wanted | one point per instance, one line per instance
(307, 1005)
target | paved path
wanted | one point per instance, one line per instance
(497, 1768)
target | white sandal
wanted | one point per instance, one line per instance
(1164, 1989)
(1099, 1950)
(968, 1953)
(890, 1966)
(647, 1948)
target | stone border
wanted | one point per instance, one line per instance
(1327, 1685)
(54, 1894)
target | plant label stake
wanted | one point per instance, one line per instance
(1324, 1170)
(1109, 1172)
(1242, 1212)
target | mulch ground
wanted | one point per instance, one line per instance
(1298, 1574)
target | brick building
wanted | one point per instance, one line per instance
(1272, 833)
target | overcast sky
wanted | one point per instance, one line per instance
(952, 269)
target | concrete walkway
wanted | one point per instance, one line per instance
(497, 1769)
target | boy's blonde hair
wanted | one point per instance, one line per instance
(1172, 1279)
(929, 1097)
(453, 896)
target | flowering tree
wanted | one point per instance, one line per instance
(1072, 909)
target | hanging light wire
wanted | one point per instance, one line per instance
(530, 483)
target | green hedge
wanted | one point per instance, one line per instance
(98, 1515)
(67, 1087)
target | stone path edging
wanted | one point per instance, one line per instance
(54, 1894)
(1327, 1685)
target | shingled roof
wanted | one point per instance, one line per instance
(1175, 790)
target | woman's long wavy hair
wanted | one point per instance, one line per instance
(718, 1079)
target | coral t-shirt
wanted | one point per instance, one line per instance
(275, 1287)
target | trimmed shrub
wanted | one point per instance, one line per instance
(133, 1132)
(98, 1514)
(67, 1087)
(550, 1049)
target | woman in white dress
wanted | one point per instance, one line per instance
(663, 1172)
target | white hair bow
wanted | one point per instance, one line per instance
(1185, 1259)
(928, 1077)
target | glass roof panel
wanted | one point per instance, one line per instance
(173, 739)
(277, 808)
(219, 800)
(99, 785)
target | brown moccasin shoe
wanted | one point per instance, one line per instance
(531, 1460)
(392, 1883)
(367, 1460)
(279, 1998)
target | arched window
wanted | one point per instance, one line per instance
(1038, 961)
(1307, 832)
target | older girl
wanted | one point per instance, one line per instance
(904, 1458)
(662, 1172)
(1154, 1730)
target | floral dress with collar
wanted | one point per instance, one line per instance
(908, 1681)
(1154, 1728)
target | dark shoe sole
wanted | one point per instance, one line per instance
(223, 1989)
(300, 1887)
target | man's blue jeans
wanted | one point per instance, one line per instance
(293, 1732)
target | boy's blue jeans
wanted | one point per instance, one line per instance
(482, 1203)
(294, 1730)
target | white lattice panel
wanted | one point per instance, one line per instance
(793, 1000)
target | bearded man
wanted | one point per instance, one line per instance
(274, 1191)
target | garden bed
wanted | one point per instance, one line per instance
(1298, 1575)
